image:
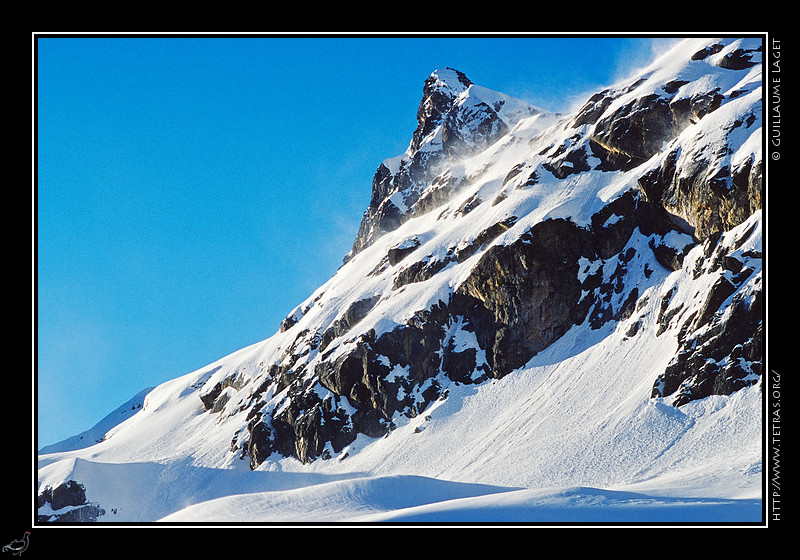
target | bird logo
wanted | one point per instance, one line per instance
(18, 546)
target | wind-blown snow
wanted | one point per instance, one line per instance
(570, 437)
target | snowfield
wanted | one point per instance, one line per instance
(574, 436)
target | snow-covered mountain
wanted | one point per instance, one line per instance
(544, 317)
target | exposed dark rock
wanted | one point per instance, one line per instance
(689, 110)
(633, 329)
(486, 236)
(482, 123)
(421, 270)
(517, 300)
(529, 289)
(719, 361)
(628, 305)
(310, 434)
(719, 292)
(533, 179)
(213, 398)
(700, 199)
(629, 211)
(435, 105)
(668, 256)
(571, 162)
(610, 159)
(469, 205)
(459, 365)
(732, 263)
(87, 513)
(352, 315)
(516, 170)
(68, 504)
(301, 428)
(594, 107)
(69, 493)
(721, 345)
(666, 312)
(287, 323)
(738, 59)
(306, 424)
(633, 133)
(399, 252)
(704, 53)
(261, 444)
(674, 86)
(417, 344)
(432, 198)
(342, 375)
(210, 396)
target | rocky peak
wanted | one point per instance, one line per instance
(440, 91)
(447, 81)
(455, 119)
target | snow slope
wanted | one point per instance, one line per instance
(96, 433)
(573, 436)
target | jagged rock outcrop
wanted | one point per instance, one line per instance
(66, 503)
(707, 188)
(706, 191)
(721, 338)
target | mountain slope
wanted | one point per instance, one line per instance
(533, 302)
(96, 433)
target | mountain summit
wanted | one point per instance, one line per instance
(455, 119)
(532, 301)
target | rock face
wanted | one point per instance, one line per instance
(66, 503)
(710, 194)
(720, 340)
(707, 188)
(503, 227)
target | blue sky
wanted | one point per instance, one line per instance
(191, 192)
